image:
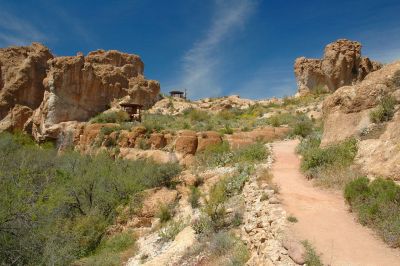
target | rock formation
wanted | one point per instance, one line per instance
(22, 70)
(347, 114)
(70, 88)
(341, 65)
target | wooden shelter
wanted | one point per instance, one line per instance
(134, 110)
(178, 94)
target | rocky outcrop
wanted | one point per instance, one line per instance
(186, 142)
(39, 91)
(22, 70)
(79, 87)
(347, 114)
(341, 65)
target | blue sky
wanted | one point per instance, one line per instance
(210, 47)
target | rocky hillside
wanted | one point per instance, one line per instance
(39, 91)
(342, 64)
(368, 111)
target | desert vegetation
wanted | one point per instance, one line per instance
(56, 208)
(384, 111)
(223, 155)
(377, 204)
(330, 166)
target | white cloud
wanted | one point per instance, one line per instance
(16, 31)
(202, 62)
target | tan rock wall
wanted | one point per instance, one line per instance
(341, 65)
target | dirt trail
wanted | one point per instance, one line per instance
(323, 217)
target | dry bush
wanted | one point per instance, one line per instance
(336, 177)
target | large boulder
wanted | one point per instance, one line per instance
(347, 114)
(341, 65)
(186, 142)
(22, 70)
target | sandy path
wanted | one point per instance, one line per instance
(323, 218)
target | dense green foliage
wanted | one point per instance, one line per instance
(384, 111)
(377, 204)
(109, 250)
(56, 208)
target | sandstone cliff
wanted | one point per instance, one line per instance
(22, 70)
(38, 91)
(341, 65)
(347, 114)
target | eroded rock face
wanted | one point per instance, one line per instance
(78, 87)
(347, 114)
(22, 70)
(186, 142)
(39, 91)
(341, 65)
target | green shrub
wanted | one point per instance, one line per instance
(237, 219)
(251, 153)
(214, 205)
(384, 111)
(292, 219)
(377, 205)
(312, 258)
(215, 155)
(226, 115)
(226, 130)
(341, 154)
(156, 122)
(224, 244)
(55, 209)
(165, 213)
(281, 119)
(194, 197)
(203, 225)
(111, 117)
(171, 230)
(197, 115)
(235, 183)
(144, 144)
(303, 127)
(107, 253)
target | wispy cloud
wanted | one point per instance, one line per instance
(202, 61)
(16, 31)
